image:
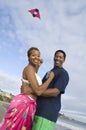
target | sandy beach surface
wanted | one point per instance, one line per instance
(62, 124)
(3, 108)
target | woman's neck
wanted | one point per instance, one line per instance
(34, 67)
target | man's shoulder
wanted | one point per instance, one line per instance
(66, 75)
(60, 71)
(65, 71)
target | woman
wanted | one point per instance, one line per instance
(22, 107)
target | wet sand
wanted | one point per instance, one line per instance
(4, 106)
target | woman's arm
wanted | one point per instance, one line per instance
(31, 77)
(25, 87)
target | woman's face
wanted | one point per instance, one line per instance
(34, 57)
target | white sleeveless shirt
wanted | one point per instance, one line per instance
(37, 77)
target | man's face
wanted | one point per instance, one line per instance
(59, 59)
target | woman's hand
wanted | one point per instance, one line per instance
(51, 75)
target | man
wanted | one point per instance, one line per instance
(49, 103)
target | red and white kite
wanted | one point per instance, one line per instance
(35, 13)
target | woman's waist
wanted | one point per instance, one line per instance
(25, 98)
(32, 96)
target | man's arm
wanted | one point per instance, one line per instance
(51, 92)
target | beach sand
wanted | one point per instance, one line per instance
(4, 106)
(3, 110)
(59, 127)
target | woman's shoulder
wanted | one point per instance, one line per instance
(28, 68)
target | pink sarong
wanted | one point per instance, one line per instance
(20, 113)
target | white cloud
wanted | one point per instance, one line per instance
(9, 84)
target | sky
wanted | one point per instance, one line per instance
(62, 26)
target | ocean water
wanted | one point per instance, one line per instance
(69, 124)
(76, 115)
(63, 123)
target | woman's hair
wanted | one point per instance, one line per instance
(61, 52)
(31, 49)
